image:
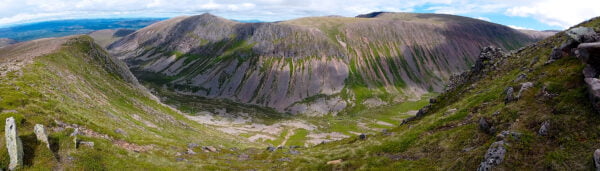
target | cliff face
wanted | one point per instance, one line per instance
(353, 61)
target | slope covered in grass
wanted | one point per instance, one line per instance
(78, 83)
(448, 137)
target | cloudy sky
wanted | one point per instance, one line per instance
(532, 14)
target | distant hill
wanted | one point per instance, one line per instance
(61, 28)
(5, 42)
(108, 36)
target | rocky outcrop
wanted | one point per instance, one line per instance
(13, 144)
(280, 64)
(487, 61)
(40, 134)
(584, 43)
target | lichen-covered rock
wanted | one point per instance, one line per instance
(493, 157)
(582, 34)
(13, 144)
(40, 134)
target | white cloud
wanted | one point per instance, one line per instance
(519, 28)
(484, 19)
(557, 12)
(552, 12)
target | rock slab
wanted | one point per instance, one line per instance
(13, 144)
(40, 134)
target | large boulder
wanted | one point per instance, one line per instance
(582, 34)
(493, 157)
(40, 134)
(13, 144)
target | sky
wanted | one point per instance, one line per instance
(524, 14)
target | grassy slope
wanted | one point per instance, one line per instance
(437, 140)
(72, 86)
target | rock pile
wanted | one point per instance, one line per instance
(488, 60)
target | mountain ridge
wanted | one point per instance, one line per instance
(271, 64)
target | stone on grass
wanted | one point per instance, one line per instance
(484, 125)
(509, 95)
(13, 144)
(362, 136)
(40, 134)
(271, 149)
(334, 162)
(87, 143)
(524, 86)
(544, 128)
(209, 148)
(75, 132)
(190, 152)
(192, 145)
(493, 157)
(120, 131)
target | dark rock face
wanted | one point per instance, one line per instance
(280, 64)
